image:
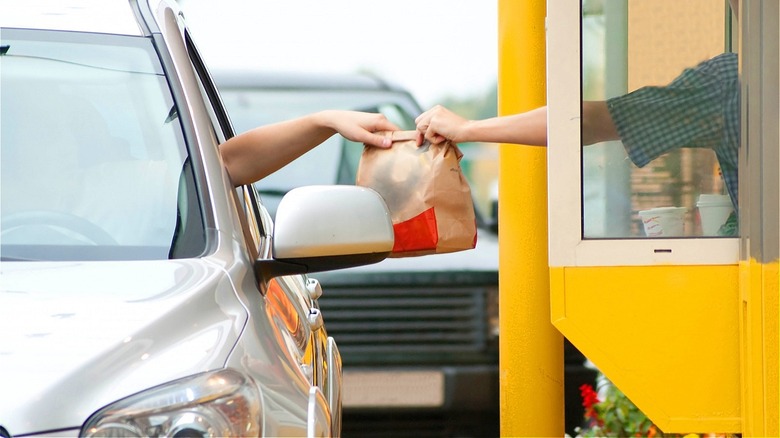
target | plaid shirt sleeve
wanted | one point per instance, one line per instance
(700, 108)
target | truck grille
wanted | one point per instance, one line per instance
(388, 320)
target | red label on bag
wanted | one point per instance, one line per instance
(417, 234)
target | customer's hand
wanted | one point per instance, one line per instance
(361, 127)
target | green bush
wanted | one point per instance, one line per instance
(617, 416)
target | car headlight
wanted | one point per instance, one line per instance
(216, 404)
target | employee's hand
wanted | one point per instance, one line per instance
(439, 124)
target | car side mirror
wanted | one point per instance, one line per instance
(323, 228)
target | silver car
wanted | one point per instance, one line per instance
(141, 294)
(419, 335)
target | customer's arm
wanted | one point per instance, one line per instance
(257, 153)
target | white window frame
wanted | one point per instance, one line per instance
(564, 158)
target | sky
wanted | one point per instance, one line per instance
(434, 48)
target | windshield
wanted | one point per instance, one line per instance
(92, 149)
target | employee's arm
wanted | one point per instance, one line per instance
(527, 128)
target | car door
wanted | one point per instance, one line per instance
(290, 300)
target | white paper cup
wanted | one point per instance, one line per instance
(663, 221)
(713, 212)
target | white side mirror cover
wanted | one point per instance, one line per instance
(341, 220)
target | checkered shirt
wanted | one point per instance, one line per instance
(699, 109)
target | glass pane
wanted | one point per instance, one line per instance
(660, 85)
(91, 148)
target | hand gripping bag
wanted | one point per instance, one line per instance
(424, 188)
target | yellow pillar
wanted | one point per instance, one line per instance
(760, 331)
(531, 349)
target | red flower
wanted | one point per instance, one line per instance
(589, 399)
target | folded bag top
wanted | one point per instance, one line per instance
(424, 188)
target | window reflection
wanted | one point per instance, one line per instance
(663, 71)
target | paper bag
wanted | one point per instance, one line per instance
(428, 197)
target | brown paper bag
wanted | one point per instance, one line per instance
(428, 197)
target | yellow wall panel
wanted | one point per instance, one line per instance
(667, 336)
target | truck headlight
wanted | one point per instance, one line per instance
(216, 404)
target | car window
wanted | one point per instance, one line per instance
(92, 149)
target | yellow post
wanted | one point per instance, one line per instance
(531, 349)
(759, 328)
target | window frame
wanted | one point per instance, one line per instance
(255, 224)
(567, 247)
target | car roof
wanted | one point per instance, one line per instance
(102, 16)
(281, 80)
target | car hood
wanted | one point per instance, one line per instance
(77, 336)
